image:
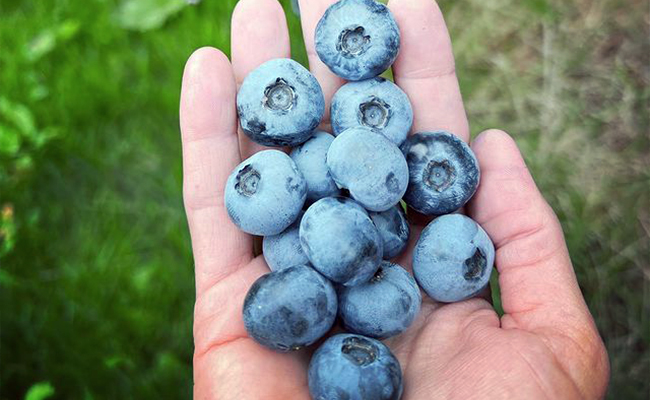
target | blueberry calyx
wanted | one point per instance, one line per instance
(360, 351)
(352, 42)
(247, 181)
(374, 113)
(279, 96)
(474, 266)
(439, 175)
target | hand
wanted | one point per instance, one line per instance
(545, 346)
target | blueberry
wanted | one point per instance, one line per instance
(284, 250)
(354, 367)
(289, 309)
(265, 193)
(444, 173)
(357, 39)
(394, 230)
(341, 241)
(383, 307)
(370, 166)
(376, 103)
(310, 157)
(280, 103)
(453, 258)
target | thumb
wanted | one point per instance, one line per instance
(539, 290)
(535, 272)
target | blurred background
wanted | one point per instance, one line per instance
(96, 274)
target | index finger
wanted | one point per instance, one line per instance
(259, 34)
(210, 152)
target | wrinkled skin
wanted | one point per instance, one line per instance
(545, 346)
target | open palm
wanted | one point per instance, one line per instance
(545, 346)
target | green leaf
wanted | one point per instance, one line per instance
(9, 141)
(118, 361)
(18, 115)
(42, 137)
(496, 292)
(40, 391)
(47, 40)
(24, 163)
(67, 29)
(144, 15)
(41, 45)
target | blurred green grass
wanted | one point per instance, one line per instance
(96, 278)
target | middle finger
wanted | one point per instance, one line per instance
(259, 33)
(310, 13)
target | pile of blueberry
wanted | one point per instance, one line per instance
(330, 211)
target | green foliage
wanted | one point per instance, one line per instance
(96, 276)
(144, 15)
(48, 39)
(40, 391)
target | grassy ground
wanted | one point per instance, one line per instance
(96, 283)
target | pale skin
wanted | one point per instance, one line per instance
(546, 345)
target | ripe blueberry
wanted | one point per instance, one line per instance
(394, 230)
(383, 307)
(357, 39)
(453, 258)
(341, 241)
(443, 172)
(280, 103)
(265, 193)
(375, 103)
(370, 166)
(289, 309)
(354, 367)
(310, 157)
(284, 249)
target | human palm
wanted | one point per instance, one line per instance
(544, 346)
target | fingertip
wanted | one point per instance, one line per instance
(499, 158)
(506, 183)
(260, 18)
(207, 60)
(259, 33)
(493, 134)
(207, 94)
(255, 7)
(206, 54)
(495, 140)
